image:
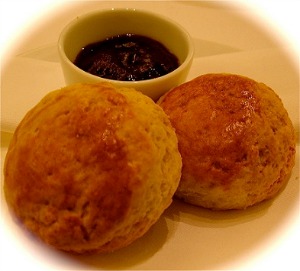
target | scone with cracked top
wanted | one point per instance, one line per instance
(90, 168)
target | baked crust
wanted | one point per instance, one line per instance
(235, 137)
(90, 168)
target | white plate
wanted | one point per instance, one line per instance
(228, 39)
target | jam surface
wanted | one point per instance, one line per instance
(127, 57)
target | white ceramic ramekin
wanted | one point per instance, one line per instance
(98, 25)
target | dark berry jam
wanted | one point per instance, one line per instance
(127, 57)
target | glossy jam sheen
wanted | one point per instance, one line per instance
(127, 57)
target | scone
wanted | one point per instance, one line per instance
(236, 140)
(90, 168)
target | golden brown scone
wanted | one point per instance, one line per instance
(90, 168)
(236, 140)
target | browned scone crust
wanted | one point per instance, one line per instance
(236, 140)
(91, 168)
